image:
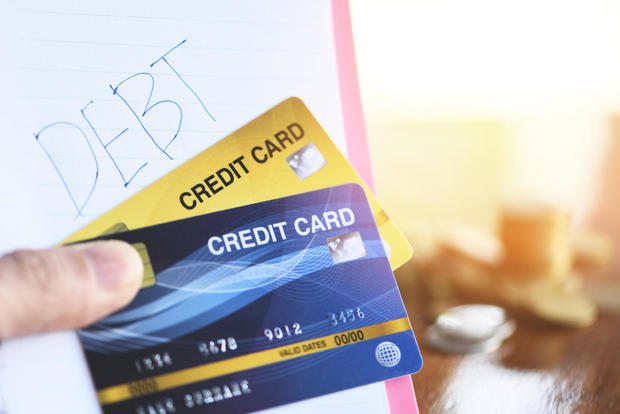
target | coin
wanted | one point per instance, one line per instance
(471, 322)
(573, 309)
(469, 329)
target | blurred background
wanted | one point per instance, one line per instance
(494, 130)
(470, 105)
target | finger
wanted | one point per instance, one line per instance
(66, 287)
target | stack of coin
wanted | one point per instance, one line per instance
(469, 329)
(538, 262)
(534, 265)
(536, 241)
(591, 250)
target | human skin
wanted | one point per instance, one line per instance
(65, 287)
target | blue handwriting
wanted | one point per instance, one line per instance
(140, 115)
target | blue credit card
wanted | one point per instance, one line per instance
(255, 307)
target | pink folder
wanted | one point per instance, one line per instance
(400, 391)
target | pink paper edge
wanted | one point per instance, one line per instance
(401, 395)
(400, 392)
(352, 113)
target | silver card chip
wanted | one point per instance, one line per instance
(346, 247)
(306, 161)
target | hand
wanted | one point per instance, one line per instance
(65, 287)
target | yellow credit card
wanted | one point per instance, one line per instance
(282, 152)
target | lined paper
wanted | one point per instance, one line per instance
(102, 99)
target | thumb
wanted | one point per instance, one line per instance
(65, 287)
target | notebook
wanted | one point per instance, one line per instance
(103, 99)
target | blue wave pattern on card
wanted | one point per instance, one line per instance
(288, 289)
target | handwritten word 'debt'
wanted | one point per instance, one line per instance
(62, 129)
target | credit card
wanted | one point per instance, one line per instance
(284, 151)
(254, 307)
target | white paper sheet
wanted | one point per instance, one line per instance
(91, 114)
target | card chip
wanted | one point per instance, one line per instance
(346, 247)
(306, 161)
(149, 274)
(117, 228)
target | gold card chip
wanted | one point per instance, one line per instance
(116, 228)
(149, 275)
(148, 279)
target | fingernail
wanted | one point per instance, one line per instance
(116, 263)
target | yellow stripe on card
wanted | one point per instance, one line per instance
(126, 391)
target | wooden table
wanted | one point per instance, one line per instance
(540, 369)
